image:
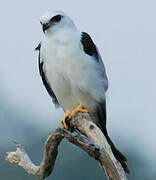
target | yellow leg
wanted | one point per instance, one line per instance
(69, 115)
(63, 121)
(80, 108)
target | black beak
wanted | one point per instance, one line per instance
(45, 26)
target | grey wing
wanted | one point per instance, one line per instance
(100, 111)
(90, 49)
(44, 80)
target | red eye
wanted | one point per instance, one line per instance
(56, 18)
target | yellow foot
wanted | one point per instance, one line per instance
(80, 108)
(63, 121)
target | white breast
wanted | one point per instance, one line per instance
(71, 73)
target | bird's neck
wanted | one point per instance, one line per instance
(63, 36)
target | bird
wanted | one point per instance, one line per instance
(73, 72)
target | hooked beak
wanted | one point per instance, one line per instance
(45, 26)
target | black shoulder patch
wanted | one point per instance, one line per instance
(38, 47)
(47, 86)
(88, 45)
(45, 82)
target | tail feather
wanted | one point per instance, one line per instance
(101, 122)
(118, 155)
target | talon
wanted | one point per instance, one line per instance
(69, 115)
(63, 121)
(80, 108)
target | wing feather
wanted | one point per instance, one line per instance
(44, 80)
(90, 49)
(100, 111)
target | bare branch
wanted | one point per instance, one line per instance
(85, 135)
(109, 164)
(21, 158)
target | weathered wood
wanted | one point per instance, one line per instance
(86, 135)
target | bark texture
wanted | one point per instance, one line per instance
(86, 135)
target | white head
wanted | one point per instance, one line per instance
(55, 21)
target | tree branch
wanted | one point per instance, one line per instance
(86, 135)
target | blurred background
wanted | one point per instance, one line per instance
(125, 33)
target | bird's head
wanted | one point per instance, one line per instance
(55, 21)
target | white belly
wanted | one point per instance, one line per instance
(66, 83)
(72, 76)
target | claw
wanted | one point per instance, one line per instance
(69, 115)
(63, 121)
(80, 108)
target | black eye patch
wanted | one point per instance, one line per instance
(56, 18)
